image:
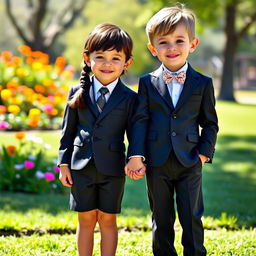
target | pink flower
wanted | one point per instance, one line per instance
(29, 164)
(56, 168)
(48, 108)
(49, 176)
(4, 125)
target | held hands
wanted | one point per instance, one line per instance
(135, 168)
(65, 176)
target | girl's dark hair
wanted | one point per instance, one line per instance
(103, 37)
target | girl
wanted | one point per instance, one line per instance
(92, 150)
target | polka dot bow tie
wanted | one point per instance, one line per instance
(168, 77)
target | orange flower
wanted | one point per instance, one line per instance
(12, 84)
(54, 112)
(20, 135)
(6, 56)
(16, 61)
(29, 60)
(11, 150)
(3, 109)
(33, 122)
(25, 50)
(39, 88)
(14, 109)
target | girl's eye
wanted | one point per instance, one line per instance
(116, 58)
(180, 41)
(99, 57)
(162, 42)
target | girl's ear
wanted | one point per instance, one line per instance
(152, 49)
(87, 59)
(128, 63)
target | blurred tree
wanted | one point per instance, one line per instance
(122, 13)
(42, 26)
(238, 17)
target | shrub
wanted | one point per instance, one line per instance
(32, 91)
(26, 168)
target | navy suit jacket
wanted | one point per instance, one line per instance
(189, 129)
(86, 133)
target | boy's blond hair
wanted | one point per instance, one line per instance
(166, 20)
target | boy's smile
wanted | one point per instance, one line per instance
(173, 49)
(108, 65)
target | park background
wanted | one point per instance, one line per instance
(34, 217)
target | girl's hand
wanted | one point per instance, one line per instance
(65, 176)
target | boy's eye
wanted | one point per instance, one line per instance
(116, 58)
(179, 41)
(99, 57)
(162, 42)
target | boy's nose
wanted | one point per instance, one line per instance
(107, 63)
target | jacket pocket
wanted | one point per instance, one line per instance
(193, 137)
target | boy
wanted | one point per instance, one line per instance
(173, 103)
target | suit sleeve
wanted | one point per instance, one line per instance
(69, 126)
(139, 123)
(208, 121)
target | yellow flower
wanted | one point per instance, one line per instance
(14, 109)
(22, 72)
(15, 101)
(37, 66)
(20, 135)
(34, 112)
(6, 94)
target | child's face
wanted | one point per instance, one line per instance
(108, 65)
(173, 49)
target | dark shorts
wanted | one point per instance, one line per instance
(93, 190)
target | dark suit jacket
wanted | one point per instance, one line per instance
(159, 127)
(86, 133)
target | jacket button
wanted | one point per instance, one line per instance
(174, 116)
(174, 134)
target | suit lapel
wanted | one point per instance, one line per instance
(115, 98)
(190, 83)
(89, 98)
(157, 81)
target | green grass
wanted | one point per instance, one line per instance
(218, 243)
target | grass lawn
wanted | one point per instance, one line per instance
(229, 191)
(218, 243)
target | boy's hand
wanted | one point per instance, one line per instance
(203, 158)
(135, 168)
(65, 176)
(137, 174)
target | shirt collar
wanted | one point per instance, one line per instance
(97, 85)
(183, 68)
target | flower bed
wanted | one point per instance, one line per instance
(26, 168)
(32, 91)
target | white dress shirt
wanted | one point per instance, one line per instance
(174, 87)
(97, 85)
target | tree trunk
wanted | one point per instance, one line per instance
(227, 79)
